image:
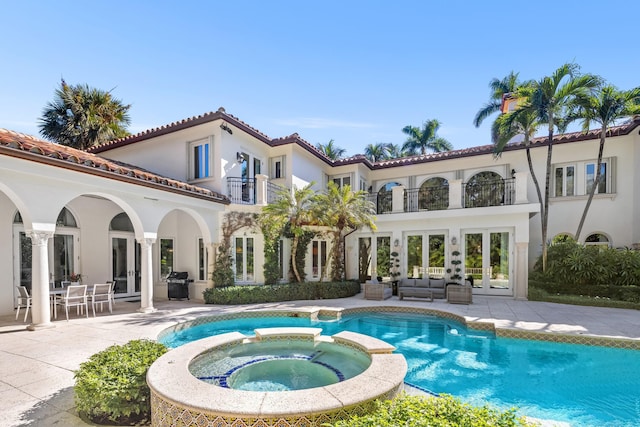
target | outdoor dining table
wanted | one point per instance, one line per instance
(55, 292)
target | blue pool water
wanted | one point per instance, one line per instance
(582, 385)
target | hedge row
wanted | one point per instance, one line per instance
(574, 269)
(251, 294)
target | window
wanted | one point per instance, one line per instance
(318, 258)
(597, 239)
(565, 181)
(277, 167)
(341, 181)
(363, 185)
(200, 159)
(202, 260)
(166, 257)
(434, 194)
(244, 259)
(590, 175)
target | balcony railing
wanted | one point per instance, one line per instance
(489, 193)
(433, 198)
(242, 191)
(252, 191)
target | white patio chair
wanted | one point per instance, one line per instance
(76, 296)
(101, 295)
(24, 300)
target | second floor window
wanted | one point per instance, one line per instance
(200, 153)
(341, 181)
(590, 174)
(565, 180)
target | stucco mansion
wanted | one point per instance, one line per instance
(135, 209)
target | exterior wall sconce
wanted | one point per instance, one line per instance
(454, 240)
(513, 173)
(226, 127)
(396, 242)
(239, 157)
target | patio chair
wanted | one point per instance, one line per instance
(76, 296)
(24, 300)
(101, 295)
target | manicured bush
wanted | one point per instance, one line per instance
(575, 269)
(444, 411)
(251, 294)
(111, 386)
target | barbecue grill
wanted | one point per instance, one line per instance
(178, 284)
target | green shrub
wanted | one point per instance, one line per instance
(251, 294)
(575, 269)
(111, 386)
(444, 411)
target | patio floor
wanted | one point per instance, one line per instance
(36, 368)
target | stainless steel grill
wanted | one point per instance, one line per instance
(178, 285)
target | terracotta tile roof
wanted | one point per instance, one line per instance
(294, 138)
(27, 147)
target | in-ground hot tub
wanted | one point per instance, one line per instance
(280, 376)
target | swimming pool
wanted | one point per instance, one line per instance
(581, 385)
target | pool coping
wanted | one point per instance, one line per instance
(336, 314)
(179, 398)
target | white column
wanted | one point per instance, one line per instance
(261, 189)
(521, 187)
(522, 271)
(146, 279)
(455, 194)
(397, 198)
(40, 309)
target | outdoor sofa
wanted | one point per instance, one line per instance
(422, 288)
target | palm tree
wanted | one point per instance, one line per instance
(605, 107)
(294, 208)
(341, 209)
(331, 150)
(81, 117)
(421, 140)
(377, 152)
(396, 151)
(550, 99)
(499, 88)
(518, 122)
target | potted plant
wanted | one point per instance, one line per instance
(75, 278)
(455, 270)
(394, 271)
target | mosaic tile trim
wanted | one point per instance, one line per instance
(168, 414)
(570, 338)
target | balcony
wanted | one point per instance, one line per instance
(452, 195)
(252, 191)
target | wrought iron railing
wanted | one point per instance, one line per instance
(488, 193)
(242, 191)
(273, 190)
(426, 199)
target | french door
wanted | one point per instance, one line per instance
(243, 261)
(487, 259)
(125, 264)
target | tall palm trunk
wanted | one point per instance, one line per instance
(596, 181)
(294, 258)
(547, 188)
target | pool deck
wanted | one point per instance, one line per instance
(36, 368)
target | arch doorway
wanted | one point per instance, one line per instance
(125, 257)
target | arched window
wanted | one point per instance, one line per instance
(434, 194)
(484, 189)
(385, 202)
(597, 239)
(66, 219)
(121, 222)
(562, 238)
(17, 218)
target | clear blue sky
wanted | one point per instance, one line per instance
(353, 71)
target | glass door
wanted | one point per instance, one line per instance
(244, 260)
(125, 264)
(487, 260)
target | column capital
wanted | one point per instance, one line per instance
(39, 237)
(147, 242)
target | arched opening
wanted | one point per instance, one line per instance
(125, 257)
(484, 189)
(434, 194)
(597, 239)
